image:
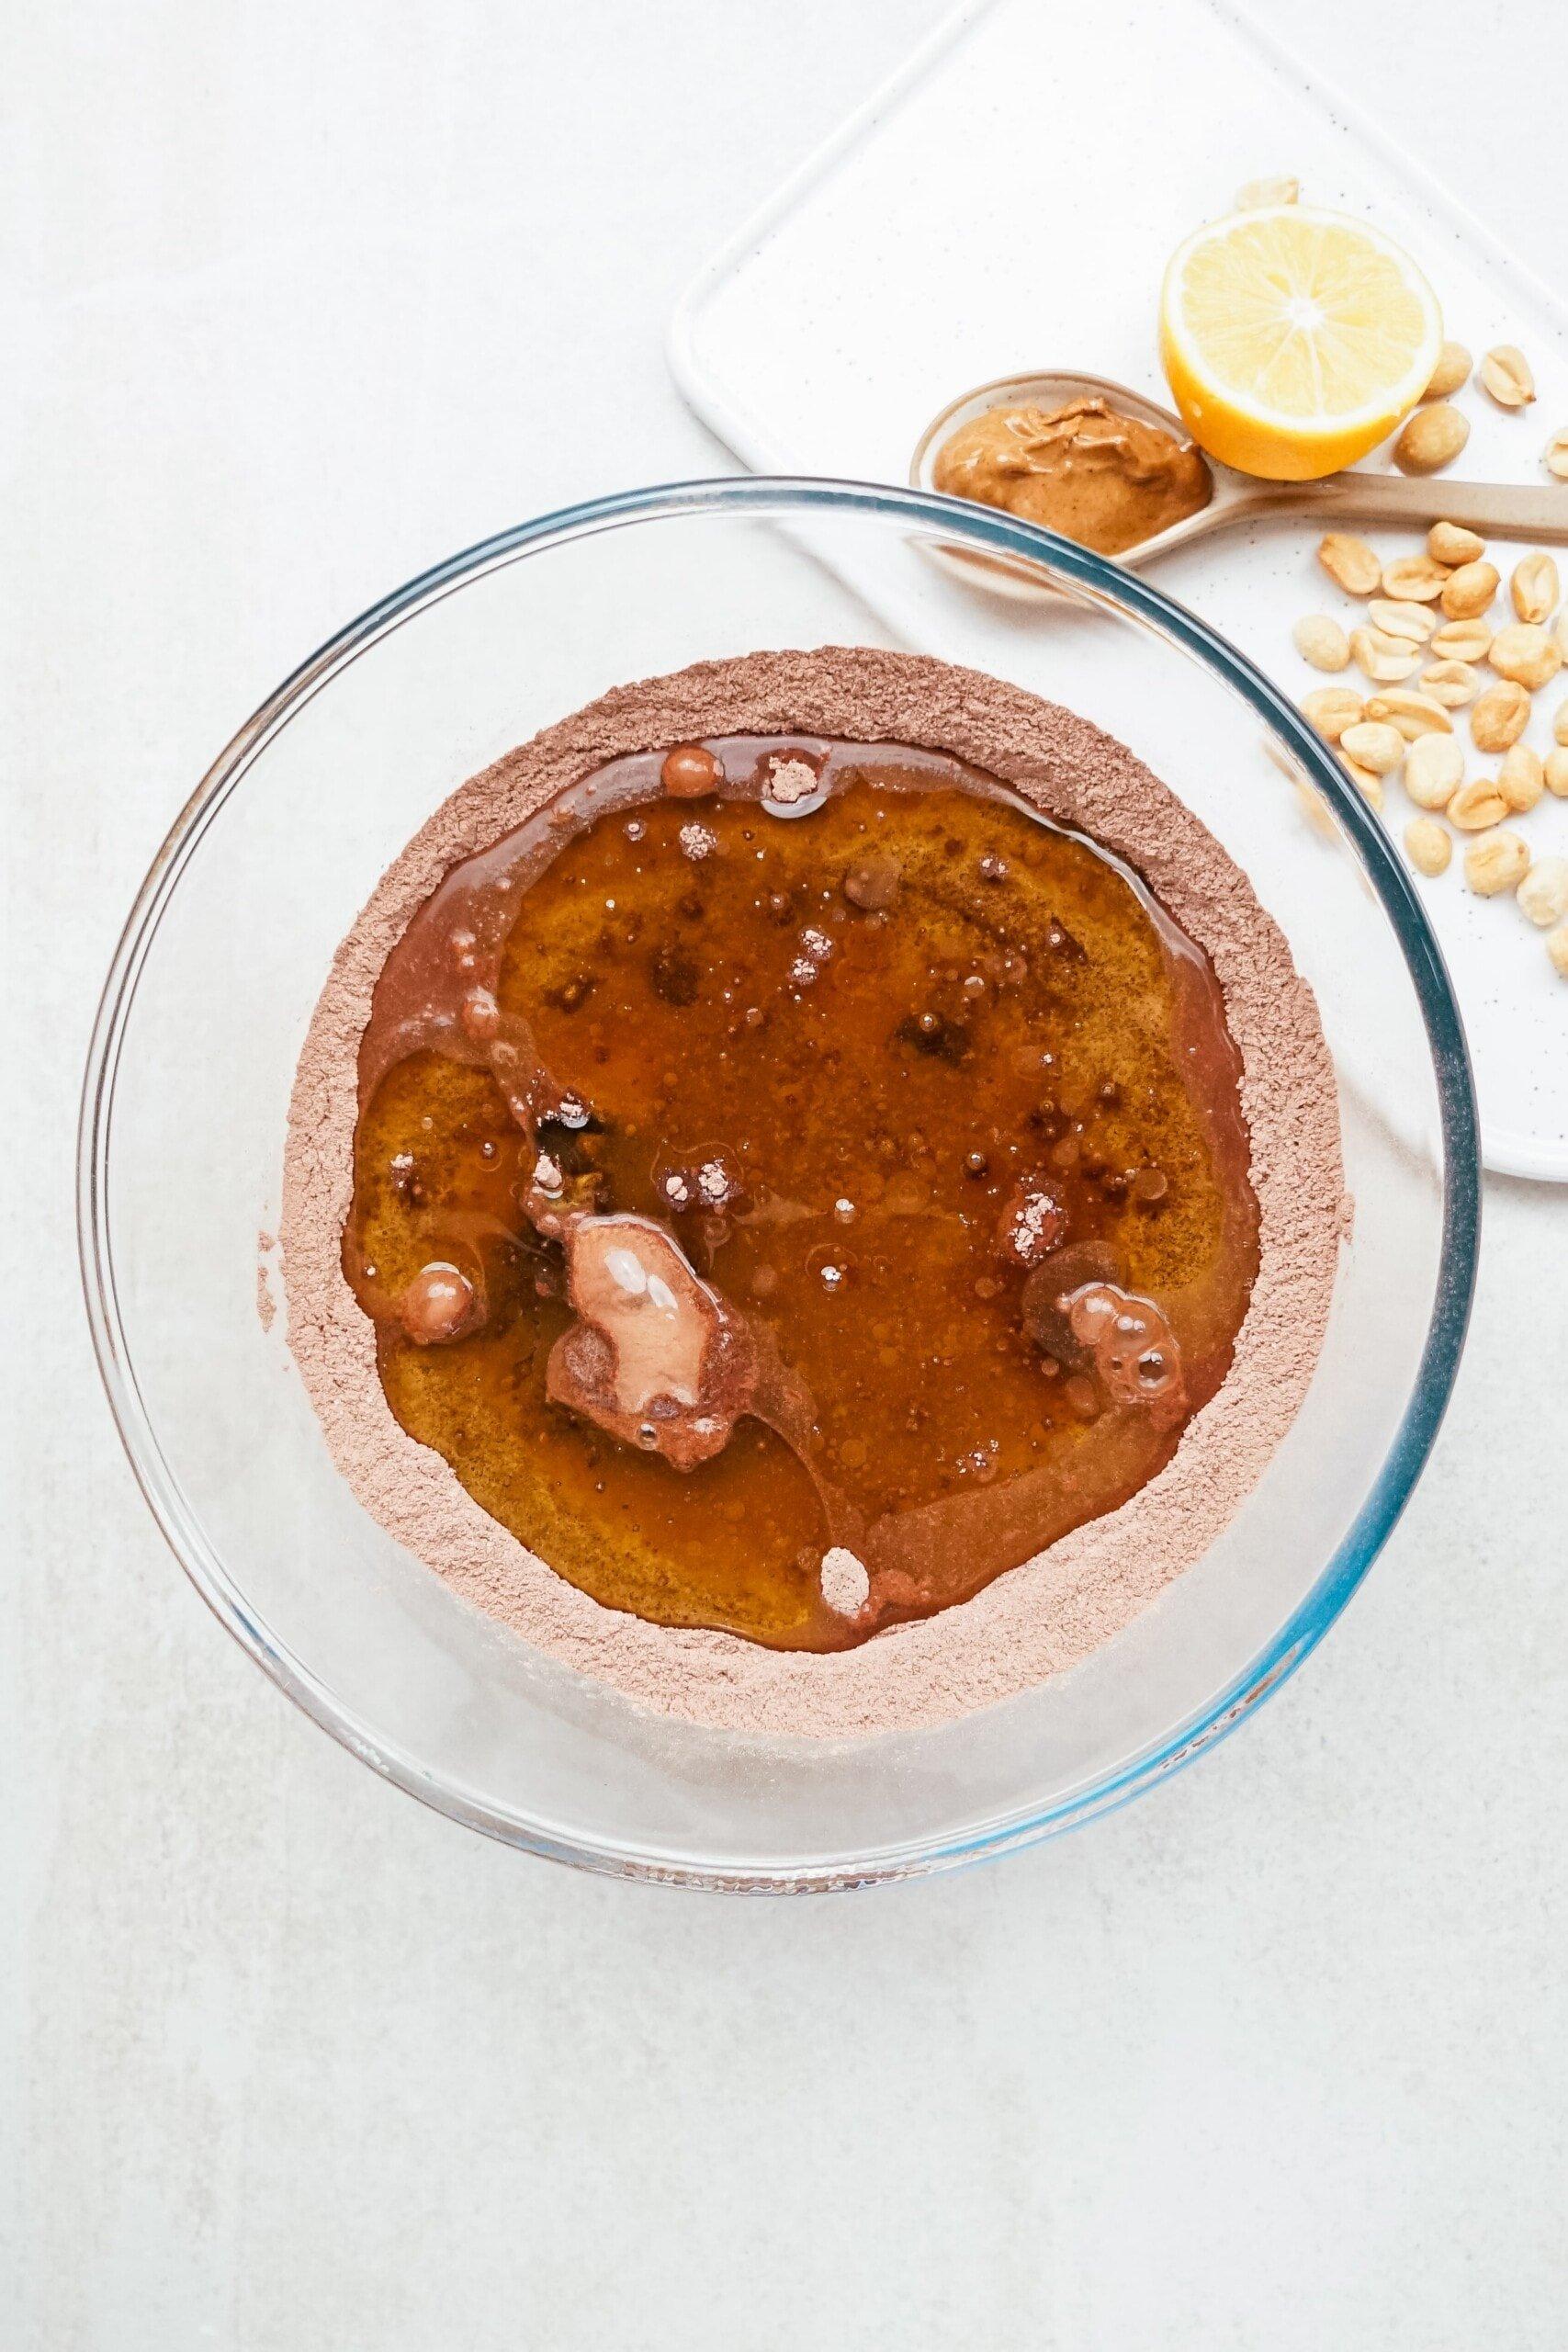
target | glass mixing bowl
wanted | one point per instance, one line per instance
(187, 1087)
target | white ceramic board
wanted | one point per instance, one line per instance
(1007, 202)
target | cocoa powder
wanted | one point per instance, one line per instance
(1039, 1618)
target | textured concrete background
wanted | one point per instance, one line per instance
(294, 301)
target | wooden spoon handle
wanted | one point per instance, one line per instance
(1516, 510)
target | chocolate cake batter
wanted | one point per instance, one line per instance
(1039, 1615)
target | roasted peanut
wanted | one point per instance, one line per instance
(1413, 623)
(1521, 777)
(1331, 709)
(1413, 578)
(1461, 642)
(1431, 439)
(1505, 373)
(1452, 367)
(1349, 561)
(1258, 194)
(1373, 745)
(1499, 863)
(1413, 714)
(1477, 804)
(1452, 684)
(1387, 661)
(1466, 593)
(1534, 589)
(1322, 642)
(1500, 716)
(1525, 652)
(1427, 845)
(1434, 769)
(1543, 893)
(1452, 543)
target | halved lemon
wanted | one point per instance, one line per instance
(1295, 339)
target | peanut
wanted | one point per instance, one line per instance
(1450, 543)
(1322, 642)
(1427, 845)
(1450, 682)
(1525, 652)
(1499, 863)
(1350, 562)
(1372, 745)
(1477, 804)
(1432, 438)
(1257, 194)
(1467, 593)
(1433, 771)
(1506, 373)
(1414, 623)
(1534, 588)
(1387, 661)
(1500, 717)
(1555, 774)
(1521, 777)
(1331, 709)
(1452, 367)
(1412, 714)
(1557, 948)
(1462, 641)
(1543, 893)
(1413, 578)
(1555, 456)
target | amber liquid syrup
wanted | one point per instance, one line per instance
(883, 1015)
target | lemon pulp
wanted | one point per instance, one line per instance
(1295, 339)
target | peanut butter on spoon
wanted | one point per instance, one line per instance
(1033, 448)
(1107, 481)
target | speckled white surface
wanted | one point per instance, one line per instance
(294, 301)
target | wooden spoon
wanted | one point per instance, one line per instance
(1512, 510)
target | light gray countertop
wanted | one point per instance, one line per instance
(295, 300)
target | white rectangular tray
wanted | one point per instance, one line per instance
(1007, 202)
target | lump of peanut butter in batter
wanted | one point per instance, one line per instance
(1107, 481)
(655, 1358)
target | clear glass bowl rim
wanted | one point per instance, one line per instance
(987, 530)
